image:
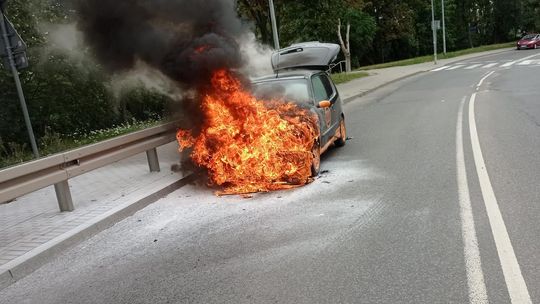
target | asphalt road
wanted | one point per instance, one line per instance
(403, 213)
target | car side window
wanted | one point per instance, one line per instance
(327, 85)
(319, 89)
(322, 88)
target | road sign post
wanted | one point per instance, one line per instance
(13, 52)
(434, 30)
(274, 24)
(443, 29)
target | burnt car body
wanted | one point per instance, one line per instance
(530, 41)
(301, 77)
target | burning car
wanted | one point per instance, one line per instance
(268, 134)
(300, 77)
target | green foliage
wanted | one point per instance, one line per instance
(346, 77)
(51, 143)
(62, 97)
(389, 30)
(142, 104)
(67, 93)
(311, 20)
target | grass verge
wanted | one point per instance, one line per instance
(429, 58)
(346, 77)
(52, 143)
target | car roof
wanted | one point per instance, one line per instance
(288, 74)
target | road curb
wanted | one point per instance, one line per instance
(34, 259)
(360, 94)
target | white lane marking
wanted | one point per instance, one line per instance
(517, 289)
(472, 66)
(440, 69)
(490, 65)
(525, 62)
(455, 67)
(519, 60)
(483, 79)
(473, 264)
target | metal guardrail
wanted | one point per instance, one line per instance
(341, 65)
(59, 168)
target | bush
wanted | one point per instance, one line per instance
(61, 97)
(142, 104)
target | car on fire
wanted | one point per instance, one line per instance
(301, 77)
(530, 41)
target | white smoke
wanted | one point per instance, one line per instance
(257, 56)
(66, 38)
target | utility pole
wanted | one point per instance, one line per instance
(274, 24)
(12, 65)
(434, 29)
(443, 29)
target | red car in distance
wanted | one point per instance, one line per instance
(529, 41)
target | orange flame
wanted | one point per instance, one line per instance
(249, 145)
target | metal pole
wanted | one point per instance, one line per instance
(63, 195)
(153, 160)
(18, 84)
(274, 24)
(434, 32)
(443, 29)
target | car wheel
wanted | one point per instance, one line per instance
(342, 140)
(316, 160)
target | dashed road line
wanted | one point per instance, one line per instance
(455, 67)
(490, 65)
(441, 68)
(511, 63)
(474, 66)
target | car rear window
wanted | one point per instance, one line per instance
(290, 90)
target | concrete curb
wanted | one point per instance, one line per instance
(32, 260)
(351, 98)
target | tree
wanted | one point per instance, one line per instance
(258, 12)
(345, 46)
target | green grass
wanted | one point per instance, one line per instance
(346, 77)
(52, 143)
(429, 58)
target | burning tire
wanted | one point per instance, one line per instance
(316, 162)
(342, 139)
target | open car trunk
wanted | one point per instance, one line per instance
(308, 55)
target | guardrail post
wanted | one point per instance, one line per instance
(153, 161)
(63, 194)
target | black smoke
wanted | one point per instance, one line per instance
(184, 39)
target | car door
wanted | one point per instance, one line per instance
(323, 90)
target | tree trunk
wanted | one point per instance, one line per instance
(348, 66)
(345, 46)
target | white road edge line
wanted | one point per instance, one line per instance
(473, 264)
(517, 288)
